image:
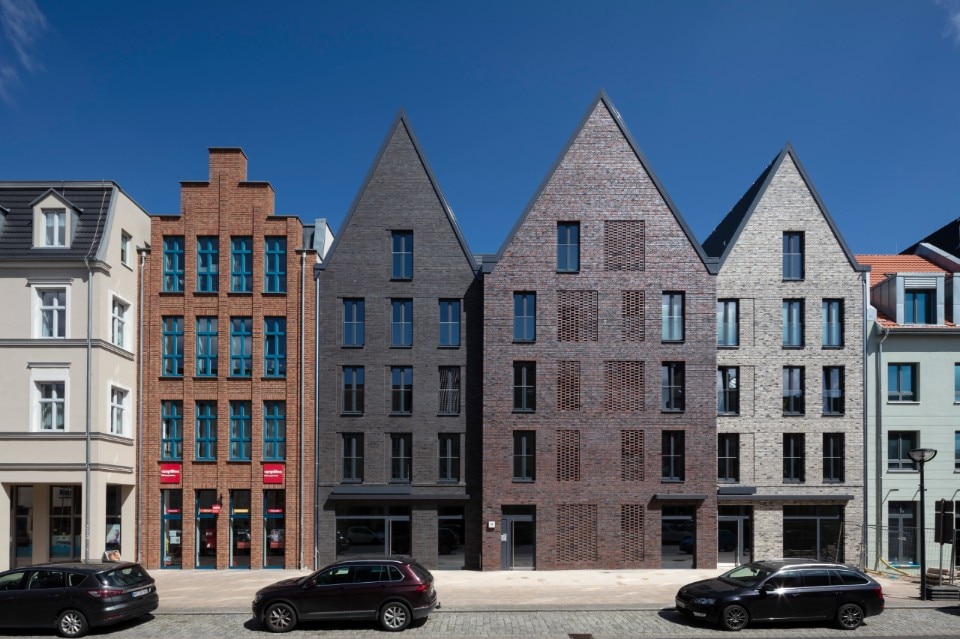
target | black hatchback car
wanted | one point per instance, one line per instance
(74, 597)
(783, 590)
(393, 591)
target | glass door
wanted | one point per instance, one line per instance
(274, 530)
(517, 541)
(171, 532)
(65, 524)
(735, 535)
(23, 527)
(240, 529)
(208, 509)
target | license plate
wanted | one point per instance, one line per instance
(141, 592)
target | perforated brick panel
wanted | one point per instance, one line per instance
(577, 316)
(631, 455)
(631, 533)
(568, 385)
(623, 245)
(576, 534)
(631, 313)
(623, 386)
(568, 455)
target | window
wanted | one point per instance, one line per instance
(241, 345)
(793, 323)
(173, 264)
(728, 458)
(833, 403)
(450, 323)
(206, 431)
(241, 264)
(449, 393)
(568, 247)
(899, 445)
(274, 430)
(208, 267)
(956, 451)
(792, 255)
(524, 455)
(118, 322)
(832, 323)
(275, 269)
(919, 305)
(353, 390)
(401, 390)
(902, 383)
(793, 458)
(275, 347)
(833, 458)
(671, 384)
(401, 445)
(171, 435)
(728, 323)
(401, 323)
(172, 354)
(125, 245)
(352, 457)
(448, 458)
(206, 346)
(402, 255)
(672, 317)
(53, 405)
(956, 383)
(672, 456)
(54, 227)
(793, 390)
(524, 317)
(728, 390)
(524, 387)
(118, 411)
(53, 312)
(353, 322)
(240, 431)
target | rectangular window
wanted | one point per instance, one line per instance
(728, 323)
(206, 431)
(401, 450)
(401, 323)
(919, 305)
(792, 255)
(449, 323)
(728, 458)
(55, 227)
(568, 247)
(401, 390)
(793, 323)
(728, 390)
(274, 430)
(173, 264)
(53, 312)
(118, 323)
(902, 383)
(448, 457)
(402, 255)
(208, 264)
(241, 347)
(672, 387)
(672, 456)
(353, 390)
(171, 435)
(172, 354)
(793, 389)
(53, 405)
(793, 458)
(352, 457)
(275, 268)
(671, 309)
(241, 264)
(206, 347)
(899, 445)
(353, 322)
(275, 347)
(449, 394)
(833, 455)
(524, 455)
(525, 317)
(833, 397)
(118, 410)
(240, 430)
(524, 387)
(832, 323)
(956, 383)
(125, 245)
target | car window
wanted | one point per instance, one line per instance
(748, 575)
(46, 579)
(422, 573)
(394, 574)
(123, 577)
(850, 578)
(816, 578)
(12, 580)
(367, 574)
(786, 579)
(74, 579)
(335, 575)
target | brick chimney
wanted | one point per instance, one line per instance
(228, 164)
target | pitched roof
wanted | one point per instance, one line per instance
(945, 238)
(884, 265)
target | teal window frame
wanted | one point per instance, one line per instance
(241, 426)
(241, 346)
(275, 267)
(208, 264)
(274, 430)
(241, 264)
(173, 261)
(172, 346)
(171, 433)
(275, 347)
(207, 347)
(206, 411)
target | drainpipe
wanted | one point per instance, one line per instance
(316, 423)
(300, 395)
(87, 410)
(142, 253)
(878, 449)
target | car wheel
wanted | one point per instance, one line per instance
(280, 617)
(71, 623)
(734, 617)
(395, 616)
(849, 616)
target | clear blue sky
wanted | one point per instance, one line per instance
(868, 92)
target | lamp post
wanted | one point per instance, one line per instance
(921, 456)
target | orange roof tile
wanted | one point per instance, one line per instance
(884, 265)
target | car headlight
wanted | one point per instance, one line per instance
(257, 597)
(704, 601)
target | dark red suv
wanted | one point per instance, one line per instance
(393, 591)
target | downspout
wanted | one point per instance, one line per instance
(87, 417)
(143, 252)
(300, 396)
(316, 422)
(878, 449)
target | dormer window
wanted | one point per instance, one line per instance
(54, 227)
(919, 306)
(55, 220)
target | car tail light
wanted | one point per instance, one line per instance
(878, 591)
(423, 587)
(103, 593)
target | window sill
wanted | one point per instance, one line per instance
(448, 414)
(401, 414)
(902, 471)
(672, 411)
(568, 272)
(268, 378)
(171, 377)
(794, 482)
(201, 378)
(670, 480)
(794, 414)
(353, 482)
(401, 346)
(206, 293)
(903, 402)
(521, 480)
(524, 341)
(171, 460)
(833, 482)
(274, 460)
(351, 346)
(727, 347)
(171, 293)
(827, 347)
(240, 293)
(519, 411)
(240, 377)
(274, 293)
(728, 414)
(833, 415)
(448, 482)
(401, 279)
(792, 279)
(238, 461)
(205, 461)
(399, 481)
(351, 414)
(671, 341)
(448, 347)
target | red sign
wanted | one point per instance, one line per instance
(169, 473)
(273, 473)
(274, 511)
(215, 509)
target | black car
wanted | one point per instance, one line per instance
(393, 591)
(783, 590)
(74, 597)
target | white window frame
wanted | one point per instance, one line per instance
(46, 374)
(37, 290)
(126, 337)
(60, 232)
(49, 204)
(126, 243)
(124, 407)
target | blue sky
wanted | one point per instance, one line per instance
(868, 92)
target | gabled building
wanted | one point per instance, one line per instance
(69, 278)
(599, 365)
(790, 305)
(399, 324)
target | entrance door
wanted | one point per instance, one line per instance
(23, 526)
(65, 523)
(735, 535)
(517, 542)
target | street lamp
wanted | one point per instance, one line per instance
(921, 456)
